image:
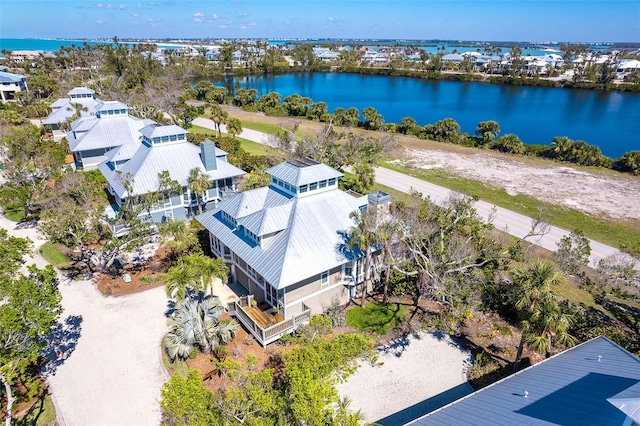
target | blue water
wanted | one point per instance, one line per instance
(535, 114)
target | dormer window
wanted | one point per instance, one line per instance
(303, 188)
(322, 183)
(313, 186)
(251, 236)
(332, 181)
(231, 221)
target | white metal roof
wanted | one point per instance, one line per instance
(178, 159)
(155, 130)
(64, 108)
(81, 91)
(96, 133)
(308, 246)
(7, 77)
(111, 105)
(302, 172)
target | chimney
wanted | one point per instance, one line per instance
(208, 155)
(379, 203)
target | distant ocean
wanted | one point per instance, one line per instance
(51, 45)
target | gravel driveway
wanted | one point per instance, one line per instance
(419, 374)
(109, 370)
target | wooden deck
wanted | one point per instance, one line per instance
(264, 319)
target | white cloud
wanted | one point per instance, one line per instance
(135, 15)
(223, 26)
(99, 5)
(198, 17)
(109, 6)
(243, 27)
(99, 22)
(330, 19)
(123, 6)
(214, 16)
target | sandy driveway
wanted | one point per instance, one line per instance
(420, 373)
(111, 370)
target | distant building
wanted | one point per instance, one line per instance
(10, 84)
(596, 383)
(285, 243)
(81, 100)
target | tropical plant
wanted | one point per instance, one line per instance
(541, 318)
(234, 126)
(178, 236)
(362, 237)
(180, 279)
(196, 323)
(218, 115)
(198, 183)
(207, 269)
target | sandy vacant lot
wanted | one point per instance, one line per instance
(415, 368)
(595, 192)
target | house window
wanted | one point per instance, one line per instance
(332, 181)
(323, 183)
(303, 188)
(324, 279)
(313, 186)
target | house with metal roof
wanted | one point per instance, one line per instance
(286, 244)
(596, 383)
(133, 171)
(10, 84)
(92, 136)
(81, 101)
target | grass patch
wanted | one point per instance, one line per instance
(52, 255)
(42, 413)
(252, 148)
(611, 233)
(269, 128)
(376, 317)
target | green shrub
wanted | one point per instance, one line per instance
(376, 317)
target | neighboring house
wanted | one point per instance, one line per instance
(164, 147)
(91, 137)
(452, 58)
(627, 66)
(10, 84)
(596, 383)
(283, 243)
(65, 108)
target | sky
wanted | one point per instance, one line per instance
(487, 20)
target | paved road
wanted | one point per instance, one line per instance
(511, 222)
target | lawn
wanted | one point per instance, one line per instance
(608, 232)
(42, 413)
(252, 148)
(52, 255)
(376, 317)
(269, 128)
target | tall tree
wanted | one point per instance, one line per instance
(29, 310)
(541, 319)
(234, 126)
(362, 237)
(218, 115)
(198, 183)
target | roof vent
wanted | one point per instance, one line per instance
(599, 358)
(526, 394)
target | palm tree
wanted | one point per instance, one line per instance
(198, 183)
(178, 236)
(179, 279)
(387, 234)
(207, 269)
(234, 126)
(196, 322)
(362, 236)
(542, 322)
(218, 115)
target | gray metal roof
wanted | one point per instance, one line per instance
(577, 387)
(7, 77)
(64, 108)
(176, 158)
(111, 105)
(81, 91)
(95, 133)
(307, 246)
(302, 172)
(156, 130)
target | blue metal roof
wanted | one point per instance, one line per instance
(580, 386)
